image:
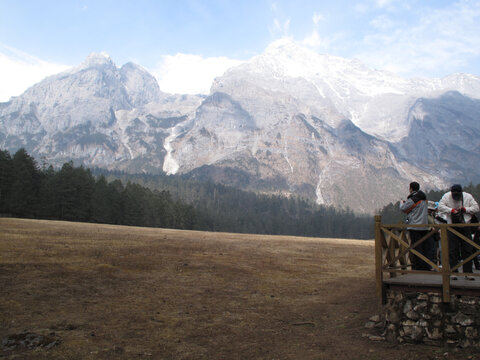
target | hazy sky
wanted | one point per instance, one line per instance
(186, 43)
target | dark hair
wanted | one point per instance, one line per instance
(456, 191)
(456, 188)
(414, 186)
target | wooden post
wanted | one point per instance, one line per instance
(378, 257)
(445, 263)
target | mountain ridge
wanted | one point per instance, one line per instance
(286, 121)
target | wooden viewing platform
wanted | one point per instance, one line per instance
(393, 266)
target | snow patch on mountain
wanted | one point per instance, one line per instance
(94, 60)
(376, 101)
(170, 166)
(286, 121)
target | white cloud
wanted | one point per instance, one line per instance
(315, 42)
(190, 74)
(361, 8)
(382, 23)
(383, 3)
(317, 18)
(19, 71)
(434, 43)
(279, 28)
(181, 73)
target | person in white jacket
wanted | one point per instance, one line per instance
(458, 207)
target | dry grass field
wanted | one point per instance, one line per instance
(113, 292)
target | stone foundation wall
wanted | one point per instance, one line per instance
(423, 318)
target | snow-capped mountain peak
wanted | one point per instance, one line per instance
(286, 121)
(330, 83)
(293, 60)
(96, 59)
(374, 100)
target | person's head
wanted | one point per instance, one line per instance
(414, 186)
(456, 191)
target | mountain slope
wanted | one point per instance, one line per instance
(287, 121)
(444, 137)
(96, 114)
(306, 142)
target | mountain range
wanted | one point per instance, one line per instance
(288, 121)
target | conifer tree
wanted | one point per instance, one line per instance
(6, 179)
(25, 185)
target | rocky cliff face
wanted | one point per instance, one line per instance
(96, 114)
(287, 121)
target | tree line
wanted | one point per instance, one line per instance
(73, 193)
(112, 197)
(225, 208)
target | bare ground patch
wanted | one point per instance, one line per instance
(111, 292)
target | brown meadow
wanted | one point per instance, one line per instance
(117, 292)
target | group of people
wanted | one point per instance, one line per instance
(456, 206)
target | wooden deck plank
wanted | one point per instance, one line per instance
(433, 283)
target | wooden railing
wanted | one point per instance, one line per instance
(393, 250)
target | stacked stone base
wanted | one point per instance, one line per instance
(424, 318)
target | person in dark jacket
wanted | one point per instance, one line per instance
(416, 209)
